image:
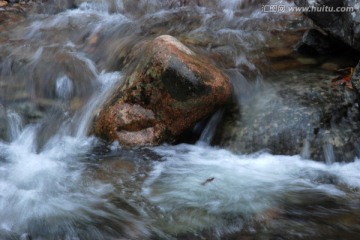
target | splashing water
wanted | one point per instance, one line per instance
(45, 193)
(203, 186)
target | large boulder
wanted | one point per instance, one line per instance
(342, 25)
(296, 112)
(168, 89)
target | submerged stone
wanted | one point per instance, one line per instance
(168, 89)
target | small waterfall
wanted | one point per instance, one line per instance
(64, 88)
(329, 153)
(15, 125)
(85, 117)
(209, 131)
(306, 150)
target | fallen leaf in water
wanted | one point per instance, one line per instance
(207, 181)
(344, 79)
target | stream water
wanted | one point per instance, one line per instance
(57, 67)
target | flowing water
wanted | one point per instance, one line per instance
(58, 66)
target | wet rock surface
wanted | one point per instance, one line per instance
(13, 11)
(342, 25)
(355, 78)
(17, 5)
(169, 88)
(316, 43)
(297, 112)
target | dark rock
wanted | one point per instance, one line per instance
(299, 113)
(342, 25)
(168, 89)
(315, 42)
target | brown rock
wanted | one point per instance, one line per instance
(168, 89)
(3, 3)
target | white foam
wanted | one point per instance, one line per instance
(216, 181)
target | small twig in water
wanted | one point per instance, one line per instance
(207, 181)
